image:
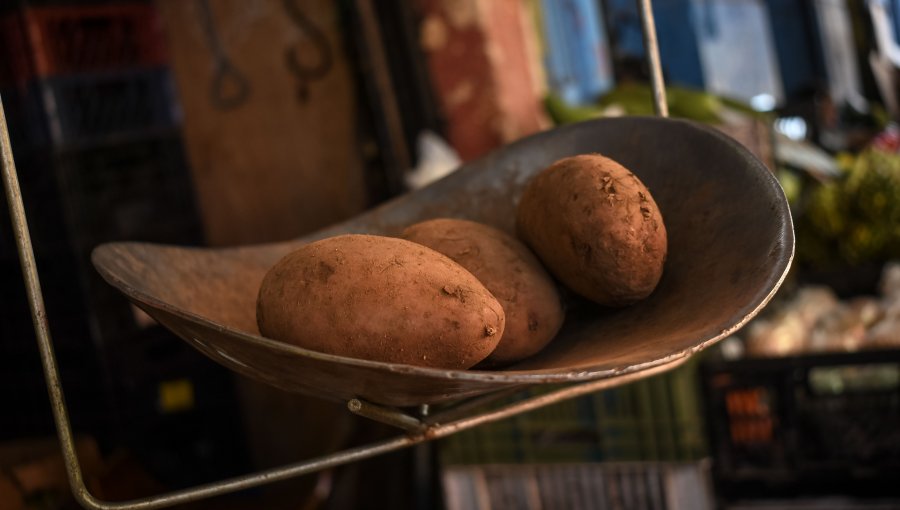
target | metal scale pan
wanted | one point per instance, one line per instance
(730, 245)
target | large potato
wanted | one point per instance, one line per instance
(510, 271)
(382, 299)
(596, 227)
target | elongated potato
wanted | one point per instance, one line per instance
(381, 299)
(510, 271)
(596, 227)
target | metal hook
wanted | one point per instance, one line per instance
(229, 88)
(303, 72)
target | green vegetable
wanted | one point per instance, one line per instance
(855, 219)
(637, 99)
(563, 113)
(792, 185)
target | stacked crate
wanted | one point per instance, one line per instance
(94, 121)
(655, 419)
(629, 485)
(822, 425)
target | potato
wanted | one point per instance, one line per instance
(510, 271)
(381, 299)
(596, 227)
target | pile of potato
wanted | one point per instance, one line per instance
(457, 294)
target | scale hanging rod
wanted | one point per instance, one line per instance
(651, 47)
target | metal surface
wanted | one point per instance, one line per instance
(730, 245)
(651, 47)
(388, 415)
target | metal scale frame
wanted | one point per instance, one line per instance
(429, 422)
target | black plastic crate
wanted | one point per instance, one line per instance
(89, 109)
(815, 425)
(25, 118)
(43, 208)
(179, 406)
(22, 387)
(150, 392)
(76, 200)
(140, 191)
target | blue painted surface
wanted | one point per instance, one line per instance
(679, 21)
(678, 42)
(895, 13)
(799, 61)
(577, 56)
(625, 28)
(675, 31)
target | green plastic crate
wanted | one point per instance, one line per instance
(655, 419)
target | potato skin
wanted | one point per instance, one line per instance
(508, 269)
(381, 299)
(596, 227)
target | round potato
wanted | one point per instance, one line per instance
(596, 227)
(381, 299)
(510, 271)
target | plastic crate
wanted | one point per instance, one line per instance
(79, 38)
(819, 425)
(587, 486)
(180, 407)
(135, 191)
(140, 191)
(16, 66)
(43, 208)
(28, 128)
(85, 111)
(653, 419)
(105, 108)
(22, 387)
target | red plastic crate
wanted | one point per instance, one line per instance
(15, 56)
(84, 38)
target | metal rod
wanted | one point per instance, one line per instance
(249, 481)
(468, 407)
(553, 397)
(386, 415)
(36, 302)
(651, 46)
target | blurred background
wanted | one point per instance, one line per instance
(228, 122)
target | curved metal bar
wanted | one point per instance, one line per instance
(36, 302)
(87, 500)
